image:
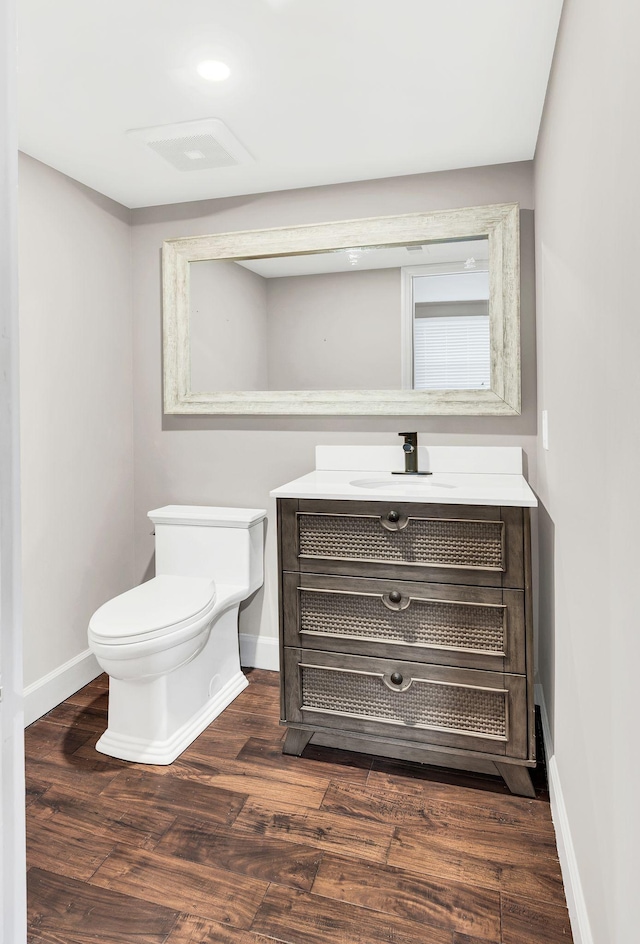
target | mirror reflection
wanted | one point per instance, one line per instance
(410, 317)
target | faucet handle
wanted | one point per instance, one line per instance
(410, 441)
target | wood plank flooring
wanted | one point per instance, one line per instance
(236, 843)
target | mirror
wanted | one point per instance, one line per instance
(395, 315)
(391, 318)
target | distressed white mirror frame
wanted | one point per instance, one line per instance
(500, 223)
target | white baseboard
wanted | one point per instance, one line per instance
(576, 902)
(260, 652)
(43, 695)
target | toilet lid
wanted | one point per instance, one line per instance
(160, 603)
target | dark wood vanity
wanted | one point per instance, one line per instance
(406, 631)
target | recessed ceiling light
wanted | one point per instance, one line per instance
(213, 71)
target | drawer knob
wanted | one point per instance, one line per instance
(394, 520)
(396, 678)
(395, 601)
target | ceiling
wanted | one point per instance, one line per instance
(321, 91)
(438, 256)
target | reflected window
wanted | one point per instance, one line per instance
(449, 331)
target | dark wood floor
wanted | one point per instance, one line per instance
(236, 843)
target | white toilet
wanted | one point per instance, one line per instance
(170, 646)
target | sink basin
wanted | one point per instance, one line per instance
(399, 483)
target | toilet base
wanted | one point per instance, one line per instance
(153, 720)
(147, 751)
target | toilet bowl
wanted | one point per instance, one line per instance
(170, 646)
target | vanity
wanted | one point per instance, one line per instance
(406, 608)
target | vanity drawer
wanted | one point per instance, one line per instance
(426, 704)
(476, 545)
(473, 627)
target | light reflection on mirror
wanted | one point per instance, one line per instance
(364, 318)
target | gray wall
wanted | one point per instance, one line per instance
(587, 198)
(236, 461)
(76, 408)
(337, 331)
(228, 321)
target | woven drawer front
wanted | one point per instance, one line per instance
(423, 704)
(435, 541)
(424, 622)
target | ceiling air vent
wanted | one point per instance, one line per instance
(195, 145)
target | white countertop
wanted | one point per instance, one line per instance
(462, 475)
(445, 488)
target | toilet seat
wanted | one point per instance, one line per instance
(160, 607)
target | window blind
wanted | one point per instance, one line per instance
(451, 352)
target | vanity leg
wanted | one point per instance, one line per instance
(296, 741)
(517, 778)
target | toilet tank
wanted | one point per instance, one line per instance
(205, 541)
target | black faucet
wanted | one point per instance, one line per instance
(410, 447)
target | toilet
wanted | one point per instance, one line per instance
(171, 646)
